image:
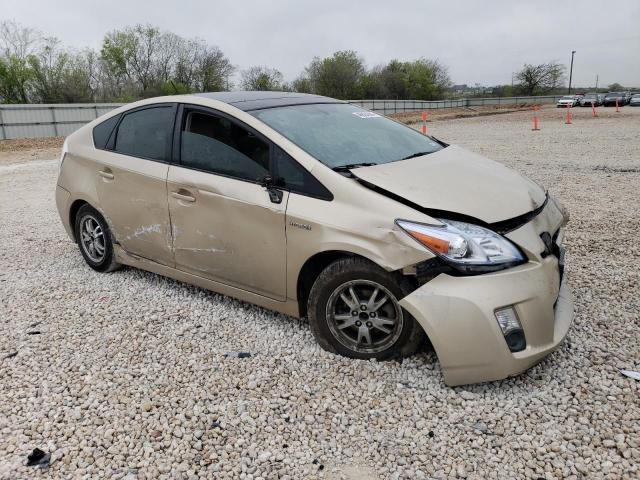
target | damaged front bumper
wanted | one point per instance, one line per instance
(458, 315)
(458, 312)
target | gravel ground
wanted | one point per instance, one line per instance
(124, 375)
(437, 115)
(26, 149)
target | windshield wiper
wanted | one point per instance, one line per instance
(414, 155)
(349, 166)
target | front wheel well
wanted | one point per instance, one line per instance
(312, 268)
(310, 271)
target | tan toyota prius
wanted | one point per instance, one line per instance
(384, 238)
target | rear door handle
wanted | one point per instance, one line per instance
(106, 174)
(184, 196)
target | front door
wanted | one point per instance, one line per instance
(132, 182)
(226, 226)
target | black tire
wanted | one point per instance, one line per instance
(407, 336)
(105, 261)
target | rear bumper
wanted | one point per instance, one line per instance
(457, 313)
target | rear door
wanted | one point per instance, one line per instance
(131, 185)
(226, 225)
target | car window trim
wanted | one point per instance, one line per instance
(184, 108)
(275, 175)
(168, 148)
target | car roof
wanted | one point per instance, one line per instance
(257, 100)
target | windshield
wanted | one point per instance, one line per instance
(614, 94)
(339, 134)
(567, 98)
(590, 95)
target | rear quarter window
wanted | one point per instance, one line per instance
(146, 133)
(102, 132)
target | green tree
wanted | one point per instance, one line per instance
(261, 78)
(302, 84)
(338, 76)
(15, 76)
(49, 69)
(540, 79)
(615, 87)
(420, 79)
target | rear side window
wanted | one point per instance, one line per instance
(146, 133)
(215, 144)
(102, 132)
(290, 175)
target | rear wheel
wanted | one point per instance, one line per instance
(94, 240)
(354, 311)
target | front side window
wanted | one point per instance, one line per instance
(340, 134)
(146, 133)
(215, 144)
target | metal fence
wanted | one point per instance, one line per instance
(387, 107)
(59, 120)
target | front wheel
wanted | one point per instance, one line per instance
(354, 311)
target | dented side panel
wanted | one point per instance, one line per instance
(231, 233)
(135, 202)
(356, 221)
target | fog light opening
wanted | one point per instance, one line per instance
(511, 328)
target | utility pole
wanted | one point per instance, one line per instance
(573, 52)
(597, 82)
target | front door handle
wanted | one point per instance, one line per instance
(184, 196)
(106, 174)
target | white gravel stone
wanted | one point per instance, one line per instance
(128, 377)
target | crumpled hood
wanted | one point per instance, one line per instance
(456, 180)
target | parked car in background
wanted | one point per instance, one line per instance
(589, 99)
(571, 100)
(384, 238)
(611, 98)
(635, 100)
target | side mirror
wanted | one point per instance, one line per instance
(267, 180)
(268, 183)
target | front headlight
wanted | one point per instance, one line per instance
(465, 244)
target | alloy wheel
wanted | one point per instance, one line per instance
(364, 316)
(92, 239)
